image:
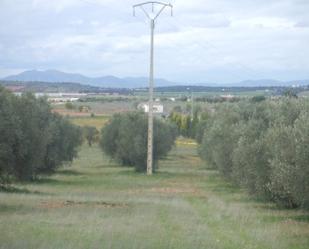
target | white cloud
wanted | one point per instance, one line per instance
(76, 22)
(205, 40)
(55, 5)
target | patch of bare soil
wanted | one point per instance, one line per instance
(69, 203)
(174, 190)
(64, 112)
(180, 190)
(295, 228)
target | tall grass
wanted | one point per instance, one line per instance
(97, 204)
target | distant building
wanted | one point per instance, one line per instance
(227, 96)
(58, 97)
(157, 107)
(62, 99)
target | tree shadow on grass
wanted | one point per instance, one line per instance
(46, 180)
(286, 217)
(9, 208)
(302, 218)
(218, 184)
(55, 182)
(68, 172)
(279, 213)
(15, 190)
(168, 158)
(166, 174)
(299, 215)
(225, 189)
(157, 174)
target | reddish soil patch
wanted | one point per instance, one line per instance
(71, 113)
(170, 190)
(68, 203)
(173, 190)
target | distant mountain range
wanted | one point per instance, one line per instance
(104, 81)
(133, 82)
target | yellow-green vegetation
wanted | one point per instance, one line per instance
(96, 121)
(95, 203)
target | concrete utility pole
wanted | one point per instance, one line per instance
(152, 16)
(192, 110)
(192, 100)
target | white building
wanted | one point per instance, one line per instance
(227, 96)
(157, 107)
(57, 97)
(62, 99)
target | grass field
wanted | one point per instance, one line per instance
(97, 204)
(97, 121)
(207, 94)
(97, 107)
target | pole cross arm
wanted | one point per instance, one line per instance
(153, 2)
(164, 5)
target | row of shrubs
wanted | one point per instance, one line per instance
(33, 140)
(124, 138)
(263, 147)
(188, 126)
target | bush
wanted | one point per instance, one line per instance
(262, 146)
(91, 134)
(289, 147)
(202, 125)
(9, 132)
(183, 123)
(125, 139)
(220, 139)
(258, 98)
(32, 139)
(63, 144)
(69, 106)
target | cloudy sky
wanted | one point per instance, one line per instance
(205, 41)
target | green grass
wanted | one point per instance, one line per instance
(97, 107)
(96, 121)
(97, 204)
(207, 94)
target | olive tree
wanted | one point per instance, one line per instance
(262, 146)
(33, 140)
(124, 138)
